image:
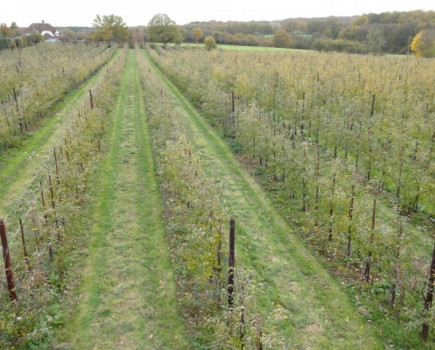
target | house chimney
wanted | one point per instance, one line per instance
(43, 21)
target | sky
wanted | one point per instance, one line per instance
(134, 13)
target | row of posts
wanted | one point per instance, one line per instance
(231, 267)
(10, 275)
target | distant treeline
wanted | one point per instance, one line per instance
(389, 32)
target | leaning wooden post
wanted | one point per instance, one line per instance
(429, 298)
(350, 218)
(57, 173)
(331, 208)
(259, 333)
(231, 262)
(242, 316)
(219, 250)
(7, 259)
(55, 163)
(371, 240)
(26, 257)
(372, 111)
(15, 99)
(91, 99)
(51, 191)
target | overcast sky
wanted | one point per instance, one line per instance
(139, 12)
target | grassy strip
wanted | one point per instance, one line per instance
(319, 313)
(128, 290)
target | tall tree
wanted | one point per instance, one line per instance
(69, 35)
(375, 40)
(210, 43)
(197, 33)
(4, 30)
(423, 43)
(282, 39)
(163, 29)
(110, 28)
(13, 29)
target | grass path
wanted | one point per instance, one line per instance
(320, 314)
(18, 165)
(127, 297)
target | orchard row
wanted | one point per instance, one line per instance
(34, 79)
(40, 222)
(345, 145)
(218, 311)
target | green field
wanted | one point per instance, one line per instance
(249, 48)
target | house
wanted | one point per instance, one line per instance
(48, 32)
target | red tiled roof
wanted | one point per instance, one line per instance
(39, 27)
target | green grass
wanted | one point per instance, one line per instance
(320, 313)
(126, 298)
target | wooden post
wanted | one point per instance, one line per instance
(15, 99)
(66, 150)
(242, 317)
(358, 141)
(331, 208)
(7, 259)
(372, 237)
(231, 262)
(50, 251)
(42, 195)
(373, 106)
(51, 191)
(396, 256)
(57, 173)
(259, 335)
(302, 114)
(26, 257)
(429, 298)
(55, 163)
(350, 216)
(91, 99)
(35, 229)
(219, 250)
